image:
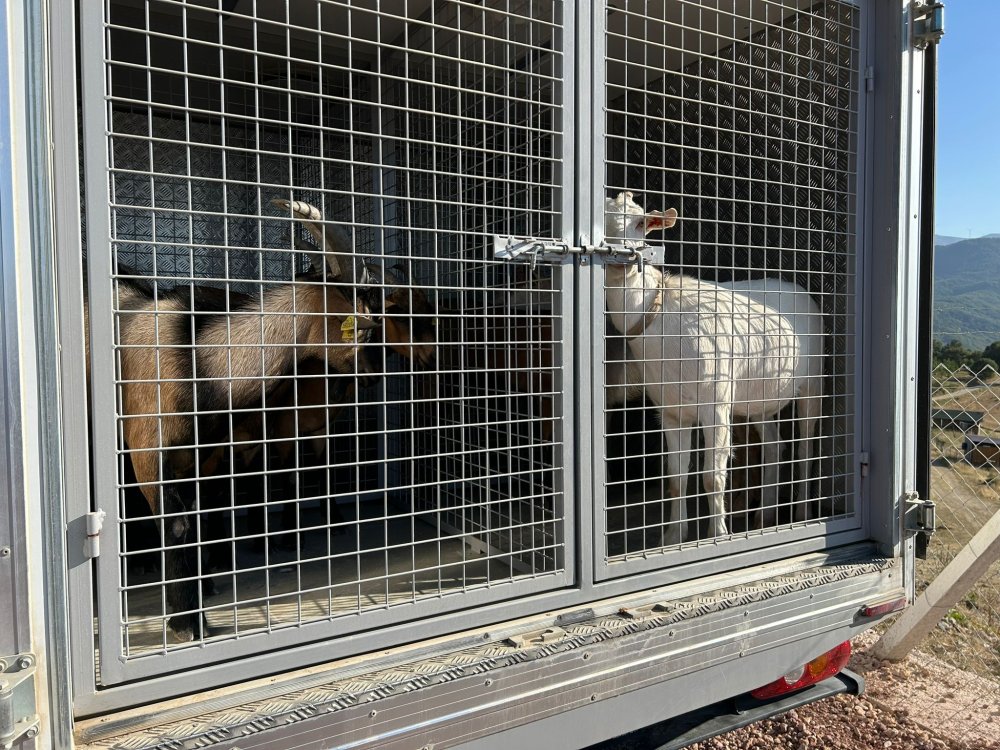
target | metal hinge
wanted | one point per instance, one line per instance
(920, 515)
(864, 464)
(17, 699)
(92, 542)
(927, 23)
(920, 521)
(534, 250)
(869, 78)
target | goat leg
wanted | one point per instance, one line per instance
(716, 421)
(180, 559)
(770, 455)
(807, 411)
(678, 440)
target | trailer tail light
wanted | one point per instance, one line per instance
(878, 610)
(817, 670)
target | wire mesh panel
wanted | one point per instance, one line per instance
(731, 138)
(331, 409)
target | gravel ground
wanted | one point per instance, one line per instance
(918, 704)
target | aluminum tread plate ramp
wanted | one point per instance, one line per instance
(823, 596)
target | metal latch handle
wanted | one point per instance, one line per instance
(921, 514)
(534, 250)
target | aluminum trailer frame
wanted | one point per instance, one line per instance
(605, 625)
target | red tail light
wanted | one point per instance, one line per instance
(815, 671)
(886, 608)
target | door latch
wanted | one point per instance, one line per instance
(919, 518)
(534, 250)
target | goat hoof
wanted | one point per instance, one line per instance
(181, 629)
(186, 628)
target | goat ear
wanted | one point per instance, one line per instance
(362, 322)
(660, 220)
(619, 202)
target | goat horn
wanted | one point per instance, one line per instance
(314, 254)
(335, 240)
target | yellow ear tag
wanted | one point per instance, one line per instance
(347, 329)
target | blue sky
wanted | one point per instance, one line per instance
(968, 144)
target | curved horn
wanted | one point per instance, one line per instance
(315, 255)
(335, 240)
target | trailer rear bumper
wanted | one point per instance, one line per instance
(575, 678)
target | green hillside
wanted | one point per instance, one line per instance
(967, 291)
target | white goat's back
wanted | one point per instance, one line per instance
(708, 334)
(798, 306)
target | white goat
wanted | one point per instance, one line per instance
(797, 305)
(706, 354)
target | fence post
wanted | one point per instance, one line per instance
(942, 594)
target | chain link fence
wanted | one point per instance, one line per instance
(953, 681)
(965, 485)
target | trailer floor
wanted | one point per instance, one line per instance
(377, 561)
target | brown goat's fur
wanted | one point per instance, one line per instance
(238, 357)
(182, 368)
(190, 358)
(197, 365)
(407, 325)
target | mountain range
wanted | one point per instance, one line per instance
(967, 290)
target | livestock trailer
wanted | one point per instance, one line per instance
(320, 428)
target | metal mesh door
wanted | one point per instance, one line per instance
(742, 115)
(292, 447)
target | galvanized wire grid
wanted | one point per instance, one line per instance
(751, 135)
(426, 129)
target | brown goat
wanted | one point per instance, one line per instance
(307, 404)
(406, 326)
(183, 373)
